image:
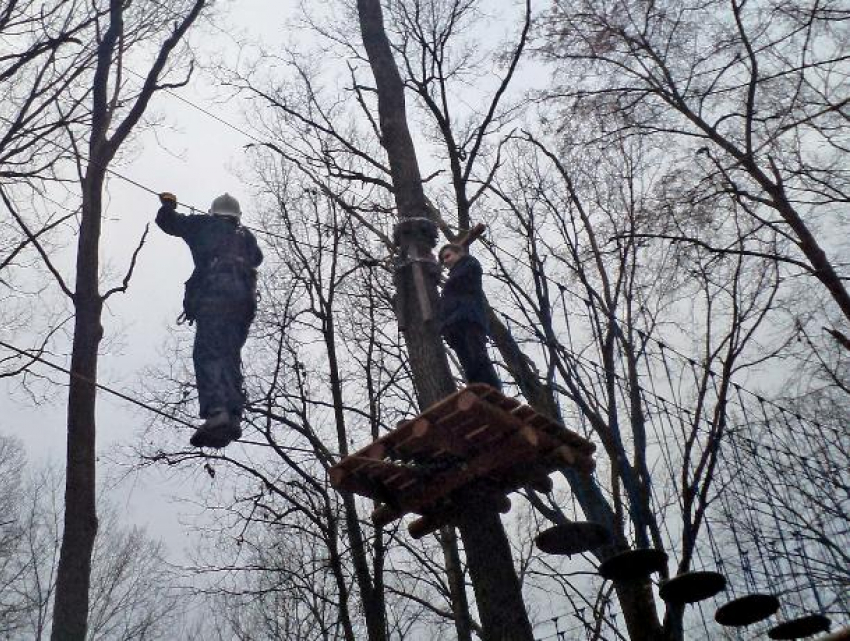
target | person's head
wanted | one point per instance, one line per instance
(450, 253)
(226, 205)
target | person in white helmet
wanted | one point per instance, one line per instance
(221, 300)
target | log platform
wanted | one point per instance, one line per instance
(475, 444)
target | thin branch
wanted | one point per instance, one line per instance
(720, 250)
(34, 240)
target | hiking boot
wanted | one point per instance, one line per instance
(219, 430)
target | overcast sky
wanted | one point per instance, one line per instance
(197, 158)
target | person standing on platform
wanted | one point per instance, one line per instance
(463, 315)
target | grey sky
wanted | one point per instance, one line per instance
(196, 157)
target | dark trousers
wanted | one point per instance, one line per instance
(217, 355)
(469, 342)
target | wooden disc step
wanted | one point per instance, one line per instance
(801, 627)
(633, 565)
(573, 538)
(473, 441)
(691, 587)
(747, 610)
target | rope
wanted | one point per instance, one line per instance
(144, 405)
(101, 386)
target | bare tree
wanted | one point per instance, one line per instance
(45, 57)
(71, 42)
(756, 90)
(135, 592)
(11, 533)
(42, 92)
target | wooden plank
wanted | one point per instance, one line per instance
(568, 455)
(385, 514)
(444, 406)
(365, 473)
(470, 404)
(434, 440)
(475, 440)
(433, 521)
(516, 450)
(533, 476)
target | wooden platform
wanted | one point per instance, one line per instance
(475, 441)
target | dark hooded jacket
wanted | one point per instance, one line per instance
(226, 258)
(462, 299)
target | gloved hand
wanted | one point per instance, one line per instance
(168, 200)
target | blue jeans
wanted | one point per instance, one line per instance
(469, 342)
(217, 356)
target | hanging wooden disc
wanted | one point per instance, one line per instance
(800, 628)
(747, 610)
(573, 538)
(691, 587)
(632, 565)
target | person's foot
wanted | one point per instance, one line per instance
(219, 430)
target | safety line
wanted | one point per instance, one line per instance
(130, 399)
(101, 386)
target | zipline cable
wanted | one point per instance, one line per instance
(101, 386)
(137, 402)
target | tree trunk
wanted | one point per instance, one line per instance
(70, 611)
(497, 588)
(457, 586)
(374, 610)
(636, 599)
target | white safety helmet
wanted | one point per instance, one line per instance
(226, 205)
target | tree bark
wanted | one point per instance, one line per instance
(494, 579)
(636, 599)
(71, 605)
(457, 585)
(70, 613)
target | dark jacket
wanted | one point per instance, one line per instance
(462, 299)
(226, 257)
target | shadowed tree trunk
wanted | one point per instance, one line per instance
(494, 579)
(635, 597)
(70, 614)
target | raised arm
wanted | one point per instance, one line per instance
(168, 219)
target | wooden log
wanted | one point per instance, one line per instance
(384, 514)
(551, 427)
(432, 441)
(376, 450)
(431, 522)
(502, 421)
(569, 455)
(566, 453)
(542, 484)
(370, 477)
(534, 475)
(337, 475)
(424, 525)
(412, 432)
(514, 450)
(499, 420)
(342, 480)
